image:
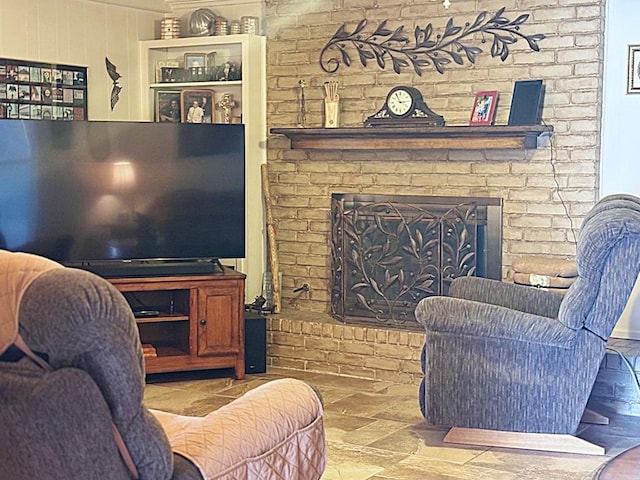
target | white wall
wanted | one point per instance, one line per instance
(620, 163)
(620, 156)
(79, 32)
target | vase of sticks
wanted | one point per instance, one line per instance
(331, 105)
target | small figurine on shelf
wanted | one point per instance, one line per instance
(226, 105)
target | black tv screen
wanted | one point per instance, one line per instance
(79, 192)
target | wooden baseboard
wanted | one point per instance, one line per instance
(547, 442)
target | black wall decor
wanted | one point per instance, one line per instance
(393, 46)
(42, 91)
(112, 70)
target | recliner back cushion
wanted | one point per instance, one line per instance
(608, 259)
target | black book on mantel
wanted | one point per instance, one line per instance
(526, 103)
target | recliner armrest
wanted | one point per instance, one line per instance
(275, 429)
(458, 316)
(517, 297)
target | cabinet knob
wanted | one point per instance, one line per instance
(203, 322)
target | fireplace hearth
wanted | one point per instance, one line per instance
(388, 252)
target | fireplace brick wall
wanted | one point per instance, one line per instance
(534, 183)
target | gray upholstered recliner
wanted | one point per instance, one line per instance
(58, 424)
(509, 358)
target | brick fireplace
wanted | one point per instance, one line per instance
(545, 191)
(388, 252)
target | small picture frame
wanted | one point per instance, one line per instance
(633, 69)
(162, 64)
(227, 71)
(197, 105)
(195, 60)
(484, 108)
(168, 107)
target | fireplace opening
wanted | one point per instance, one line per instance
(388, 252)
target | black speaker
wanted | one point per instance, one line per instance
(526, 103)
(255, 343)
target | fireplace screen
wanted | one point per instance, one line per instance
(388, 252)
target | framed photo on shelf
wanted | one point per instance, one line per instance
(164, 70)
(195, 60)
(195, 67)
(168, 107)
(197, 105)
(633, 74)
(484, 108)
(227, 71)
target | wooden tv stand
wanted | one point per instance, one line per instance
(191, 322)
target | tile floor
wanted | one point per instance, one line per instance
(375, 431)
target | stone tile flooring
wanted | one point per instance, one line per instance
(375, 431)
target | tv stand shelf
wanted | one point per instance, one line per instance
(163, 317)
(200, 320)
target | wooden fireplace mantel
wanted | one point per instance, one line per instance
(416, 138)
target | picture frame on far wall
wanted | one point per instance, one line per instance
(633, 69)
(30, 90)
(484, 108)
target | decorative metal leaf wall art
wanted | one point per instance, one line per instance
(429, 50)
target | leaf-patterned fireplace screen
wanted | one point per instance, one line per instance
(389, 251)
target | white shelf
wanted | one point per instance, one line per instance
(178, 85)
(204, 41)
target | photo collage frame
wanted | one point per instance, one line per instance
(42, 91)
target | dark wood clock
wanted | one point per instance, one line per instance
(404, 107)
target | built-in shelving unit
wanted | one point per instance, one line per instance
(416, 138)
(247, 53)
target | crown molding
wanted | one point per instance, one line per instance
(188, 4)
(158, 6)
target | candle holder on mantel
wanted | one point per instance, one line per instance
(302, 107)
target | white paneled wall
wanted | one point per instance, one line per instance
(80, 32)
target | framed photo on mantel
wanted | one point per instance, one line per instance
(484, 108)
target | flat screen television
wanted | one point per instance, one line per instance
(116, 197)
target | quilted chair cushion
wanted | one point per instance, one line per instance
(608, 263)
(274, 431)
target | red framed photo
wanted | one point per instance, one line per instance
(484, 108)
